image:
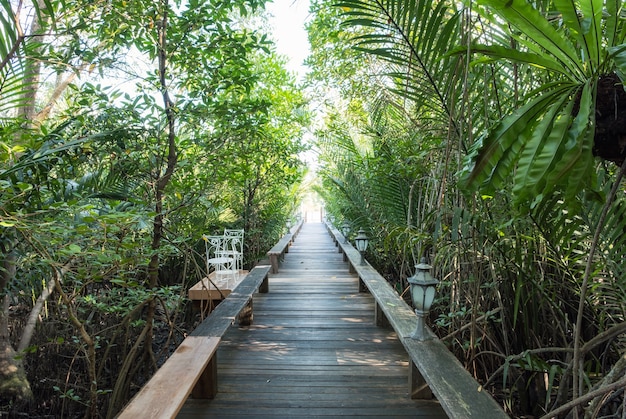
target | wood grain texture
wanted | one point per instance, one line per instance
(169, 387)
(313, 349)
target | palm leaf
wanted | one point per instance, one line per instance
(11, 64)
(537, 32)
(494, 158)
(413, 36)
(498, 52)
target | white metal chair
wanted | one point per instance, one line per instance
(234, 246)
(218, 257)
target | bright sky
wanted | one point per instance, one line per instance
(289, 33)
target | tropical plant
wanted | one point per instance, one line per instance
(507, 263)
(117, 183)
(552, 138)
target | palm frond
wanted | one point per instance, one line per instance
(412, 37)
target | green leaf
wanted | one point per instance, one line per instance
(618, 54)
(500, 149)
(74, 249)
(537, 30)
(541, 150)
(592, 18)
(499, 52)
(571, 150)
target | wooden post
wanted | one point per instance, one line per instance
(418, 387)
(379, 317)
(264, 288)
(245, 316)
(206, 386)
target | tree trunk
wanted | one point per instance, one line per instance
(14, 386)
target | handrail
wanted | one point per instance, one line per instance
(432, 364)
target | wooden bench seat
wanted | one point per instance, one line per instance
(434, 370)
(191, 369)
(277, 252)
(238, 305)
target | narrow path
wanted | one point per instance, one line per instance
(313, 349)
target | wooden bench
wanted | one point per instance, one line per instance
(296, 229)
(192, 368)
(277, 252)
(433, 368)
(237, 306)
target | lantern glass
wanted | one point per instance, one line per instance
(417, 294)
(361, 241)
(429, 296)
(423, 286)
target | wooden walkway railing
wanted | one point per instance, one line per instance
(313, 348)
(434, 369)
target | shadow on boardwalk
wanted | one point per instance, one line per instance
(313, 349)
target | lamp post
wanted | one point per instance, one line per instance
(345, 230)
(361, 241)
(423, 287)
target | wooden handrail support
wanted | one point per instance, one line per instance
(277, 253)
(192, 368)
(433, 368)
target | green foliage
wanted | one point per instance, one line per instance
(82, 190)
(499, 98)
(548, 140)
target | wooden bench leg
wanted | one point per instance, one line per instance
(362, 287)
(274, 263)
(264, 288)
(244, 318)
(379, 317)
(418, 388)
(206, 386)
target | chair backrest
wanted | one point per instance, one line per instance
(213, 245)
(234, 238)
(233, 233)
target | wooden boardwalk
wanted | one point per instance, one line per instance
(313, 349)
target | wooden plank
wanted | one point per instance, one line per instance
(159, 398)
